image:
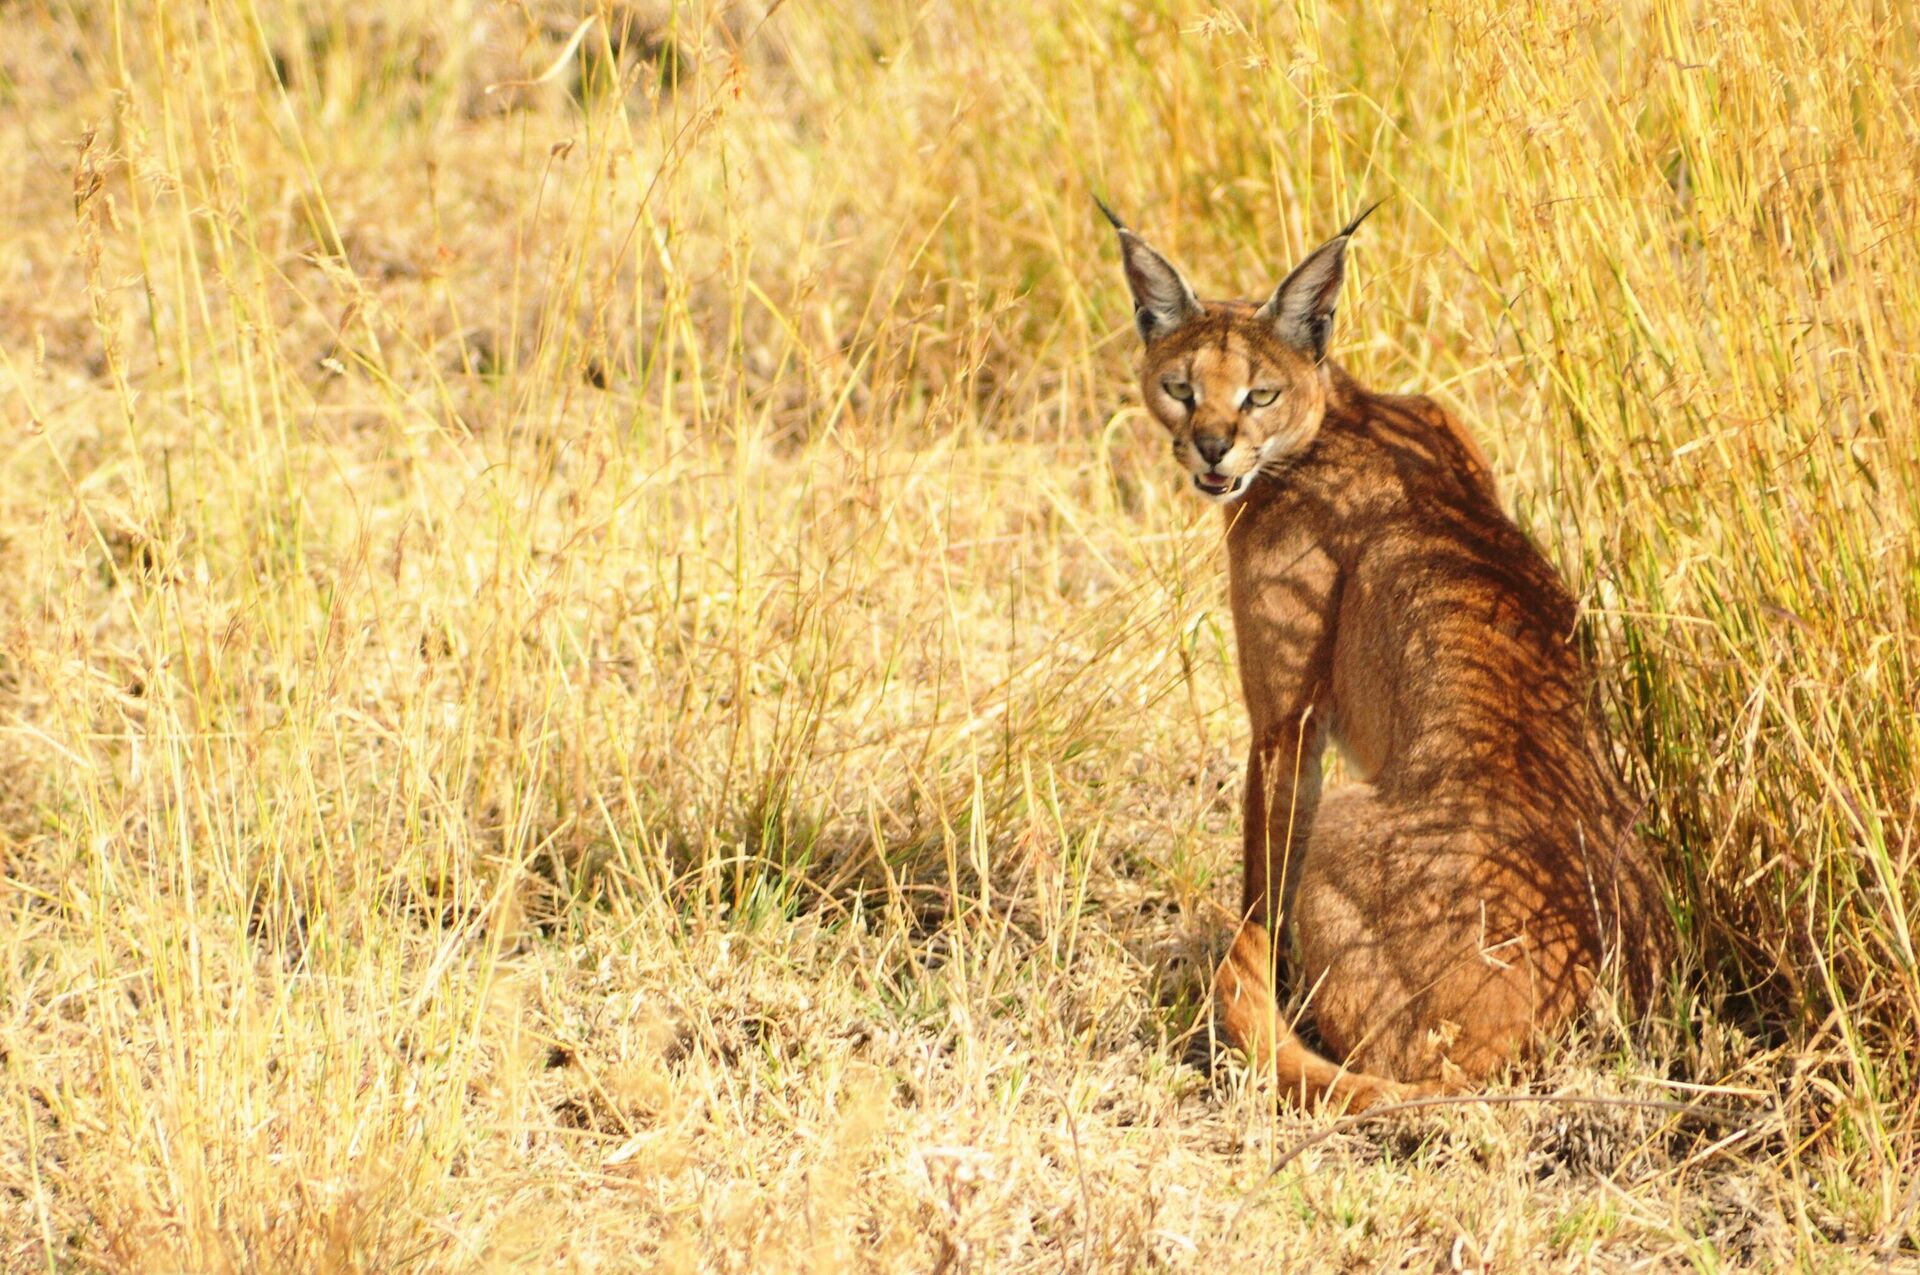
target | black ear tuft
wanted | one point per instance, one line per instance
(1347, 230)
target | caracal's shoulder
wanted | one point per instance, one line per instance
(1436, 433)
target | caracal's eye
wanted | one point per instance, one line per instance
(1262, 397)
(1179, 389)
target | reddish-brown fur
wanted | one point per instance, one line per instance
(1463, 897)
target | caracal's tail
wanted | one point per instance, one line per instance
(1249, 1016)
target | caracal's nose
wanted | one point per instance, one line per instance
(1212, 447)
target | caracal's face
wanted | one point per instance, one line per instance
(1236, 400)
(1242, 388)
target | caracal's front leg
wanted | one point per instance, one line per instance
(1282, 798)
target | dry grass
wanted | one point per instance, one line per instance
(601, 672)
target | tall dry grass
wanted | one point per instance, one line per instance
(601, 669)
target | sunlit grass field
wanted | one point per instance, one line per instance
(599, 669)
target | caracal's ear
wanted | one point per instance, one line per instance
(1162, 301)
(1301, 309)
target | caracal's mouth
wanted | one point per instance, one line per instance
(1221, 487)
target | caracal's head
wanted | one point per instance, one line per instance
(1240, 385)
